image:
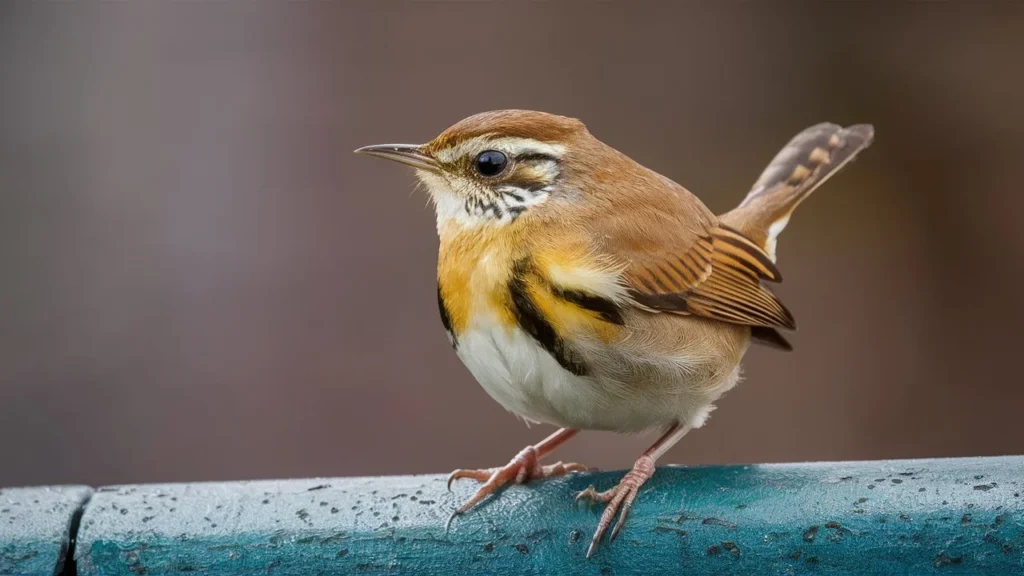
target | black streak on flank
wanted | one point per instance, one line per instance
(667, 302)
(532, 321)
(604, 308)
(445, 318)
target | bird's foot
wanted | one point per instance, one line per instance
(522, 468)
(618, 500)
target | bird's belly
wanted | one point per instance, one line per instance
(525, 379)
(514, 370)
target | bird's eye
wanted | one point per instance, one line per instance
(490, 163)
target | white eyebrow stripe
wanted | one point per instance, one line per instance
(513, 147)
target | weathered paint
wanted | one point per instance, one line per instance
(35, 528)
(962, 516)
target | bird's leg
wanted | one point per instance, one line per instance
(620, 498)
(523, 467)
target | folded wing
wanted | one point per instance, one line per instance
(718, 276)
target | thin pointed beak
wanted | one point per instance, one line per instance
(408, 154)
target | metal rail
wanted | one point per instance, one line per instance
(962, 516)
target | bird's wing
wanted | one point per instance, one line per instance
(719, 275)
(679, 258)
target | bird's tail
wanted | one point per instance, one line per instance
(805, 163)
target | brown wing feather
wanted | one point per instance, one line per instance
(770, 337)
(719, 277)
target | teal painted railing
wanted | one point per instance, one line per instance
(957, 516)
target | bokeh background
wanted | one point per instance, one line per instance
(200, 281)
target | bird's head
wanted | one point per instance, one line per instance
(492, 167)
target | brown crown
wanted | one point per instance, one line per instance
(510, 123)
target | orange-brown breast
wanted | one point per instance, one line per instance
(473, 269)
(477, 266)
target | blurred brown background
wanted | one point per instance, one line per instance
(201, 282)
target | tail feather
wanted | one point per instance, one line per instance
(805, 163)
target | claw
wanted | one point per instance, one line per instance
(448, 524)
(592, 495)
(588, 494)
(622, 517)
(481, 475)
(523, 468)
(619, 500)
(564, 468)
(592, 547)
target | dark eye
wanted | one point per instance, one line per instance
(490, 163)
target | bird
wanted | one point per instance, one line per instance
(584, 290)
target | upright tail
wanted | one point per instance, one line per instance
(805, 163)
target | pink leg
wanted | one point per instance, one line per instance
(620, 498)
(523, 467)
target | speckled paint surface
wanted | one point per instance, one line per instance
(897, 517)
(35, 526)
